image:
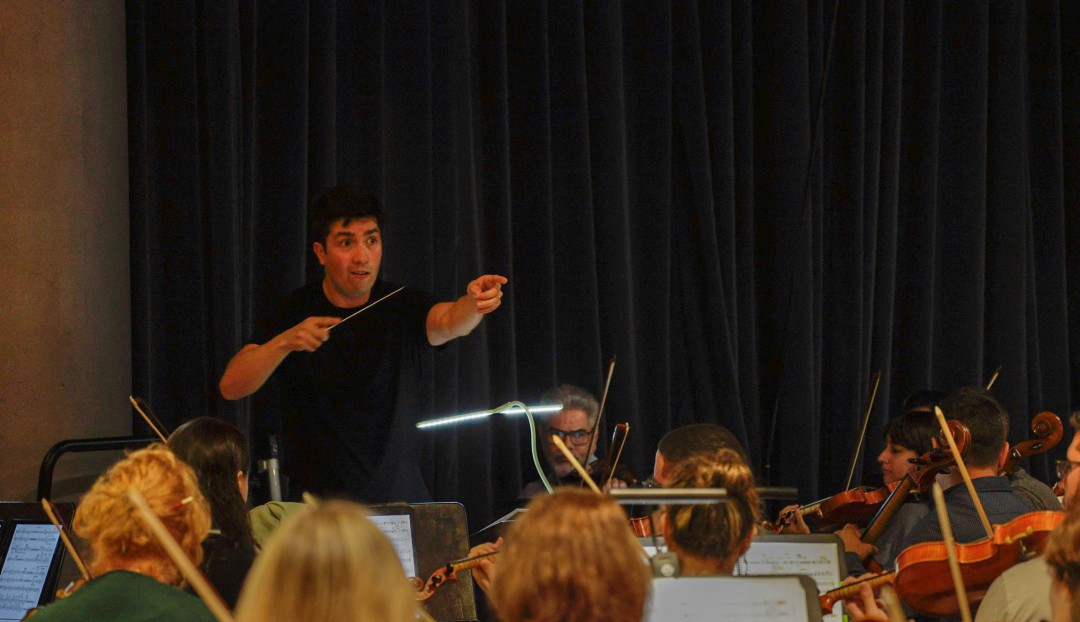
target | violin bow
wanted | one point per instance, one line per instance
(950, 548)
(574, 463)
(892, 604)
(875, 380)
(993, 378)
(198, 582)
(54, 517)
(148, 417)
(617, 452)
(963, 471)
(603, 401)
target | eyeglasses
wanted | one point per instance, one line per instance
(1062, 467)
(575, 437)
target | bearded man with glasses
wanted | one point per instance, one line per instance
(573, 424)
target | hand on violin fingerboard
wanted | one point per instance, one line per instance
(853, 543)
(866, 608)
(794, 522)
(484, 573)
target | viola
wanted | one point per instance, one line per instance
(449, 573)
(1046, 426)
(603, 471)
(922, 577)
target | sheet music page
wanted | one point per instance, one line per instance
(721, 599)
(815, 560)
(26, 567)
(398, 527)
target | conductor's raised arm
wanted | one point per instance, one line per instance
(447, 321)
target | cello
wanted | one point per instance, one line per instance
(1047, 430)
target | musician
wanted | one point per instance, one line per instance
(328, 562)
(1023, 592)
(218, 451)
(987, 421)
(1063, 558)
(688, 442)
(709, 539)
(348, 399)
(571, 558)
(573, 424)
(908, 436)
(134, 579)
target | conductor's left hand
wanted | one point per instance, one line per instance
(486, 292)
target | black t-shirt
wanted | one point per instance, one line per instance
(349, 409)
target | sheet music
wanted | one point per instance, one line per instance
(398, 527)
(718, 600)
(819, 561)
(26, 566)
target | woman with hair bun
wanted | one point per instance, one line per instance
(134, 579)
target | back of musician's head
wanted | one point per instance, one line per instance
(571, 558)
(984, 417)
(218, 450)
(923, 401)
(327, 562)
(116, 533)
(572, 398)
(714, 531)
(341, 202)
(1063, 557)
(698, 439)
(914, 430)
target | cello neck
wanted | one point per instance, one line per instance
(888, 510)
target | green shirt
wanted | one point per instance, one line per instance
(122, 596)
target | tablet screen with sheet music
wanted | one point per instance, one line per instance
(733, 599)
(818, 556)
(29, 566)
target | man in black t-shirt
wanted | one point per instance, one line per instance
(348, 403)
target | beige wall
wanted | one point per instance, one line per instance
(65, 325)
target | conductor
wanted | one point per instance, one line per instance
(348, 391)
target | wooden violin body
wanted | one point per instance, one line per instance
(922, 576)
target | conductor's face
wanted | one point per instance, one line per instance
(572, 426)
(350, 259)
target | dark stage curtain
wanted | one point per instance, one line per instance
(750, 219)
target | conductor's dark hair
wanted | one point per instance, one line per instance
(984, 417)
(698, 439)
(217, 450)
(337, 203)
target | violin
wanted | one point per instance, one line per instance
(449, 573)
(1046, 426)
(856, 506)
(867, 507)
(922, 579)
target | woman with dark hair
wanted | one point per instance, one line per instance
(218, 452)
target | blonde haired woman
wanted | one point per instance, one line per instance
(328, 562)
(134, 579)
(709, 539)
(571, 558)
